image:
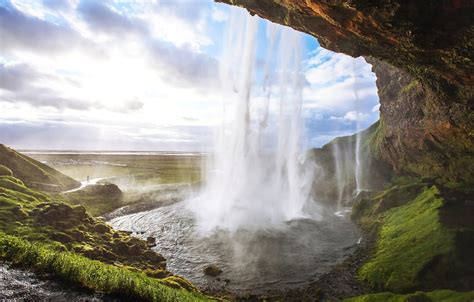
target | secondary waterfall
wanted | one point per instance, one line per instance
(256, 179)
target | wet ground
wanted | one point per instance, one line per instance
(22, 285)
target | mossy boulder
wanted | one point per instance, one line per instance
(212, 270)
(416, 248)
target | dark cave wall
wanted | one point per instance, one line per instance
(421, 52)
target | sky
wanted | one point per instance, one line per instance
(143, 75)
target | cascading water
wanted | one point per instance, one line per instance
(358, 159)
(255, 182)
(253, 218)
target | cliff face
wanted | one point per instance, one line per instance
(420, 131)
(421, 52)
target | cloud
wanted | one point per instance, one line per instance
(144, 74)
(352, 116)
(219, 15)
(101, 17)
(21, 31)
(90, 136)
(183, 66)
(17, 77)
(61, 5)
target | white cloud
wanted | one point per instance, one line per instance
(219, 15)
(142, 72)
(352, 116)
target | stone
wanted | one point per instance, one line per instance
(101, 228)
(151, 241)
(213, 271)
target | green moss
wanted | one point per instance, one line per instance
(410, 86)
(366, 211)
(91, 274)
(410, 239)
(375, 139)
(434, 296)
(41, 219)
(96, 204)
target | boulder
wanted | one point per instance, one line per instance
(213, 271)
(151, 241)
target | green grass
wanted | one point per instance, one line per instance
(410, 238)
(96, 202)
(434, 296)
(139, 169)
(90, 274)
(29, 218)
(34, 172)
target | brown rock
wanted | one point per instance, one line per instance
(212, 271)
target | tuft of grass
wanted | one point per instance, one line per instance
(411, 238)
(90, 274)
(434, 296)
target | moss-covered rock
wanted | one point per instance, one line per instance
(416, 248)
(434, 296)
(97, 199)
(39, 217)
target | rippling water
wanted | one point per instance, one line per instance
(24, 285)
(291, 256)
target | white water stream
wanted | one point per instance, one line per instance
(257, 180)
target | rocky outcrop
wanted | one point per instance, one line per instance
(421, 132)
(421, 52)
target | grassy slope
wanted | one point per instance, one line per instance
(97, 199)
(439, 295)
(410, 238)
(33, 172)
(414, 249)
(95, 275)
(39, 231)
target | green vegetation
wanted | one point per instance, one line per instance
(423, 239)
(410, 86)
(128, 170)
(410, 238)
(90, 274)
(39, 231)
(375, 138)
(97, 199)
(34, 173)
(434, 296)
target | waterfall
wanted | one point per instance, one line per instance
(256, 179)
(358, 159)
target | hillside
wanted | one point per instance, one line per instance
(34, 173)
